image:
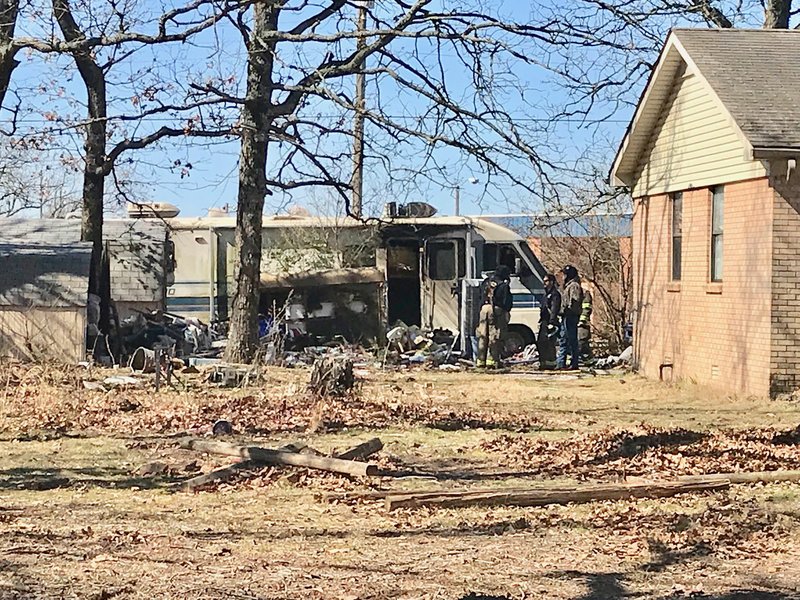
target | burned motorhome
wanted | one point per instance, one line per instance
(340, 276)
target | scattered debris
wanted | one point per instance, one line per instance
(625, 358)
(331, 376)
(122, 381)
(222, 427)
(143, 360)
(152, 469)
(284, 456)
(227, 375)
(215, 476)
(363, 450)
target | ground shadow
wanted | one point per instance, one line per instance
(625, 445)
(611, 586)
(49, 478)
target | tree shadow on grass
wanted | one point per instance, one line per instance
(611, 586)
(50, 478)
(625, 445)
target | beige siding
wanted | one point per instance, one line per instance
(43, 333)
(694, 145)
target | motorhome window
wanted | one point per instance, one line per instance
(489, 257)
(503, 254)
(442, 260)
(508, 257)
(403, 261)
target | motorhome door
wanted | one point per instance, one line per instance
(444, 266)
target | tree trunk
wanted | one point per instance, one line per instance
(94, 172)
(255, 122)
(8, 20)
(776, 14)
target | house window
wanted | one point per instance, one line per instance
(677, 234)
(717, 225)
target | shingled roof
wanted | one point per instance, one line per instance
(754, 74)
(44, 275)
(136, 247)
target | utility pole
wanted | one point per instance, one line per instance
(457, 199)
(357, 181)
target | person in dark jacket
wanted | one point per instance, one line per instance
(571, 308)
(494, 317)
(548, 323)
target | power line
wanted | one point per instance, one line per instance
(587, 121)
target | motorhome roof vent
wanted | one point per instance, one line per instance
(418, 210)
(151, 210)
(217, 213)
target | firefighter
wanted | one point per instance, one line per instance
(571, 308)
(548, 323)
(585, 327)
(494, 317)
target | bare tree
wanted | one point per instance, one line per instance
(9, 9)
(777, 14)
(34, 183)
(99, 37)
(442, 78)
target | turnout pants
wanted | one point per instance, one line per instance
(546, 346)
(492, 327)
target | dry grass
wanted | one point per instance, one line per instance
(111, 533)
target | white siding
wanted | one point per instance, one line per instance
(694, 145)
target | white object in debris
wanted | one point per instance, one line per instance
(122, 380)
(627, 355)
(94, 385)
(357, 306)
(325, 309)
(295, 312)
(396, 334)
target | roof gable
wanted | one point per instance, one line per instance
(751, 74)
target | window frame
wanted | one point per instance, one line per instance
(676, 274)
(716, 234)
(459, 250)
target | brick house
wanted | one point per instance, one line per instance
(711, 160)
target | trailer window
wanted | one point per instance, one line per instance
(442, 260)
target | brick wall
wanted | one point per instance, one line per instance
(785, 364)
(717, 334)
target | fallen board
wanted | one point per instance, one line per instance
(363, 450)
(544, 496)
(269, 456)
(217, 475)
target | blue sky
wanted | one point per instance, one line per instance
(51, 87)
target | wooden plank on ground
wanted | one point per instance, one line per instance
(363, 450)
(216, 476)
(544, 496)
